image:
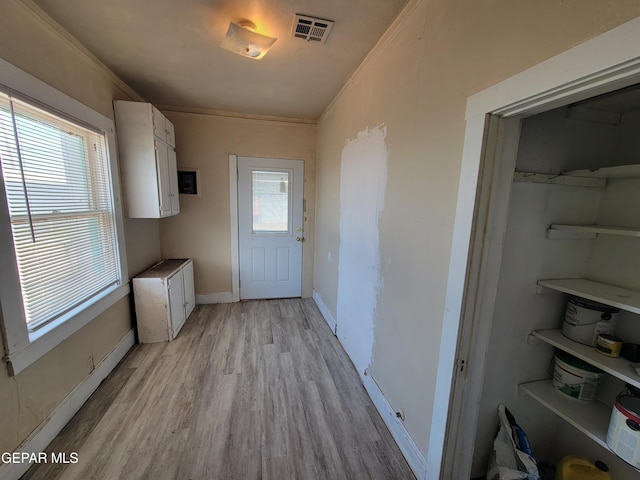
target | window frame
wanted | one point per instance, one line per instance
(22, 348)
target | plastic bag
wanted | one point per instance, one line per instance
(507, 461)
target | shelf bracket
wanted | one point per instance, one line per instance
(556, 234)
(540, 290)
(533, 340)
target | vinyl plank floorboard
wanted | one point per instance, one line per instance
(256, 390)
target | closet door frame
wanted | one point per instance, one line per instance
(603, 64)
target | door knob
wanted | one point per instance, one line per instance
(299, 239)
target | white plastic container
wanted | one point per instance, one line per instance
(584, 320)
(576, 378)
(623, 436)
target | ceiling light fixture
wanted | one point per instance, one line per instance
(242, 38)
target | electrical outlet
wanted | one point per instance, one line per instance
(90, 365)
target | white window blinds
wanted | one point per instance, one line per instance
(59, 193)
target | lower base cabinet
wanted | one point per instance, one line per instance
(164, 297)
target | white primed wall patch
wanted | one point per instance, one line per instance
(363, 182)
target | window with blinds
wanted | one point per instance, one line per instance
(58, 186)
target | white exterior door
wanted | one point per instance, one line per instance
(270, 222)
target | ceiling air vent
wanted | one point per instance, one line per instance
(311, 29)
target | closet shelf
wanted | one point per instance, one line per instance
(591, 418)
(595, 229)
(598, 292)
(619, 171)
(559, 179)
(580, 178)
(618, 367)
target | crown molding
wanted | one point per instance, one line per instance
(240, 116)
(60, 32)
(389, 35)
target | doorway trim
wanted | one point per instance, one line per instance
(233, 212)
(605, 63)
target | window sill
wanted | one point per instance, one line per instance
(48, 337)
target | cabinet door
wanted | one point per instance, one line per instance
(172, 165)
(171, 133)
(159, 124)
(189, 290)
(176, 302)
(162, 168)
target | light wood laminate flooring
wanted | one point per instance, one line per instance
(251, 390)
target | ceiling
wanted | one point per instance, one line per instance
(168, 50)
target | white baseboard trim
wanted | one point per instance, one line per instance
(325, 312)
(42, 436)
(407, 446)
(222, 297)
(409, 449)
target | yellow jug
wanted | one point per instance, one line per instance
(574, 467)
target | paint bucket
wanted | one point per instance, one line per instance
(631, 390)
(608, 345)
(575, 378)
(584, 320)
(623, 435)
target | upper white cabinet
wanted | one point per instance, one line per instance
(163, 128)
(146, 141)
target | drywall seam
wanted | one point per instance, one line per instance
(363, 180)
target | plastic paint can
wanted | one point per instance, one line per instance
(575, 467)
(623, 435)
(608, 345)
(584, 320)
(575, 378)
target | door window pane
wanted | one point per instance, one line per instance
(270, 201)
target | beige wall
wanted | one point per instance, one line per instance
(416, 84)
(32, 44)
(28, 398)
(202, 231)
